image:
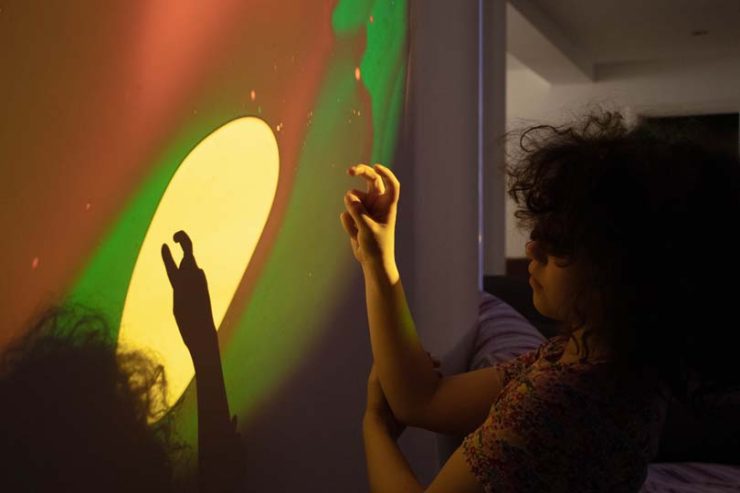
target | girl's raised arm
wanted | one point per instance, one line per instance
(417, 395)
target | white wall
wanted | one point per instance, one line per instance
(439, 200)
(686, 87)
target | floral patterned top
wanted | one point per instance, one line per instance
(565, 427)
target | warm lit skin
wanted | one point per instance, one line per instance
(403, 386)
(550, 280)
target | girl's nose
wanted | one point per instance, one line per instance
(530, 249)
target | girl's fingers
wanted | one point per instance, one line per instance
(394, 186)
(374, 180)
(355, 208)
(360, 194)
(348, 224)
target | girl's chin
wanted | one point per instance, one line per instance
(539, 308)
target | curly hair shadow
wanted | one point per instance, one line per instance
(638, 209)
(77, 414)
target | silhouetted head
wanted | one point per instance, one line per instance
(74, 413)
(641, 215)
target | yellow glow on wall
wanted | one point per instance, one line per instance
(221, 195)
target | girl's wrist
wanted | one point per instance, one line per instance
(375, 422)
(372, 421)
(381, 268)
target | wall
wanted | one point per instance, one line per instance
(102, 106)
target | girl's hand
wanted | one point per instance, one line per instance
(370, 219)
(378, 410)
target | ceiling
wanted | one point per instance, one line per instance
(593, 33)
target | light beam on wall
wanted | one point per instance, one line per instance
(221, 195)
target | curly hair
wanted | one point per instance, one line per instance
(77, 414)
(638, 209)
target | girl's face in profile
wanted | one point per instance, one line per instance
(551, 280)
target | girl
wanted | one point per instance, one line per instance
(620, 221)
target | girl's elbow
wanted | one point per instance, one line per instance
(410, 415)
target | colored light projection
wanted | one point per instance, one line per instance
(222, 194)
(286, 101)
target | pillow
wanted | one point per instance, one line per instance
(502, 333)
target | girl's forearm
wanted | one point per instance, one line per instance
(405, 371)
